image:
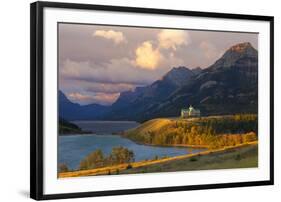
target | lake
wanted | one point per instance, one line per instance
(73, 148)
(106, 127)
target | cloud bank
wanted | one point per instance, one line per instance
(98, 98)
(97, 63)
(169, 38)
(115, 36)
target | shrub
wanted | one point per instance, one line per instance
(121, 155)
(238, 157)
(129, 166)
(63, 168)
(96, 159)
(192, 159)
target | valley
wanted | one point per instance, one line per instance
(189, 119)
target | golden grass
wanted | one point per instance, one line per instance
(152, 125)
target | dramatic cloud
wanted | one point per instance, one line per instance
(147, 57)
(90, 86)
(116, 37)
(100, 98)
(117, 71)
(97, 63)
(108, 87)
(172, 38)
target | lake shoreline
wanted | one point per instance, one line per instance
(169, 145)
(140, 143)
(111, 169)
(74, 148)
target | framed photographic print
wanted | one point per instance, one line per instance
(136, 100)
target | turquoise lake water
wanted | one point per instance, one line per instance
(73, 148)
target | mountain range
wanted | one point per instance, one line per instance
(228, 86)
(72, 111)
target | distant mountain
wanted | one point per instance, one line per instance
(72, 111)
(133, 105)
(242, 55)
(228, 86)
(197, 70)
(177, 76)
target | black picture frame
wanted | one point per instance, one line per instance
(36, 99)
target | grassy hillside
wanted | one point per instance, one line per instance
(245, 157)
(213, 132)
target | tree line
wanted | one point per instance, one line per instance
(98, 159)
(211, 132)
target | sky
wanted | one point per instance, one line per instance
(97, 63)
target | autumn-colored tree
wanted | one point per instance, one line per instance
(93, 160)
(121, 155)
(212, 131)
